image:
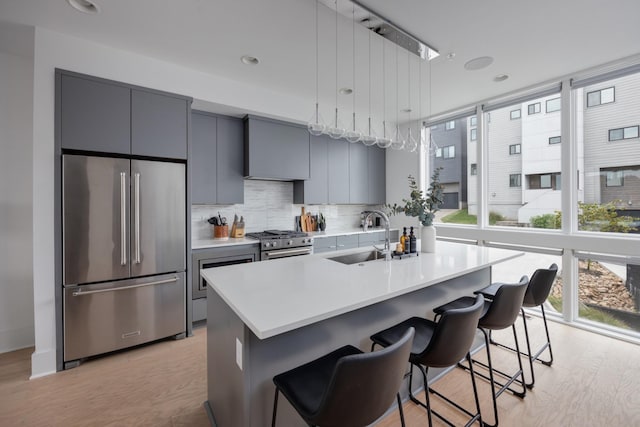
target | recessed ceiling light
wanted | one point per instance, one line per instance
(451, 55)
(345, 91)
(249, 60)
(84, 6)
(478, 63)
(406, 110)
(501, 77)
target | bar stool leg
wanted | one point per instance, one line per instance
(275, 408)
(529, 355)
(546, 329)
(400, 410)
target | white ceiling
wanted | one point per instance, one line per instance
(531, 41)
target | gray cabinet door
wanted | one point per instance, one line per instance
(377, 176)
(158, 125)
(338, 171)
(203, 159)
(324, 244)
(315, 189)
(230, 161)
(348, 241)
(276, 150)
(94, 116)
(358, 174)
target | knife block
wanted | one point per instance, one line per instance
(220, 231)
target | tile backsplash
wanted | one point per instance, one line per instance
(268, 205)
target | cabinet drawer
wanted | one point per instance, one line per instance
(324, 244)
(370, 238)
(347, 242)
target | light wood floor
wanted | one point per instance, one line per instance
(594, 381)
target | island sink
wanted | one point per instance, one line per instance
(358, 257)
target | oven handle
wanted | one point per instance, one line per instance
(288, 252)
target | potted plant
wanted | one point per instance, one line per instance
(424, 207)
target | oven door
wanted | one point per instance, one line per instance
(285, 253)
(200, 287)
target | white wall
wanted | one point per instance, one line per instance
(16, 135)
(401, 164)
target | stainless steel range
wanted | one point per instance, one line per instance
(281, 244)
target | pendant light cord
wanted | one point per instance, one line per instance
(353, 37)
(336, 4)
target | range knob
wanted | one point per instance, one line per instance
(267, 244)
(290, 242)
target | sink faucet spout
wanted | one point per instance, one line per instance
(387, 232)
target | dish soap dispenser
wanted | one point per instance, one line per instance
(412, 242)
(407, 241)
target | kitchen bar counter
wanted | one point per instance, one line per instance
(264, 318)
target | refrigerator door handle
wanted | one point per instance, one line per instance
(136, 218)
(123, 218)
(124, 288)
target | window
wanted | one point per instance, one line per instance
(473, 121)
(474, 169)
(449, 152)
(623, 133)
(615, 178)
(553, 105)
(554, 140)
(438, 152)
(514, 180)
(515, 149)
(473, 135)
(603, 96)
(450, 125)
(534, 108)
(544, 181)
(516, 114)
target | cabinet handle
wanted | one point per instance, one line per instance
(124, 288)
(136, 218)
(123, 218)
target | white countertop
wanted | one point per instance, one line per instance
(277, 296)
(216, 243)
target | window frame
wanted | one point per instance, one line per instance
(515, 149)
(450, 125)
(555, 142)
(537, 108)
(473, 134)
(518, 179)
(519, 111)
(619, 178)
(473, 169)
(551, 100)
(624, 131)
(599, 92)
(473, 121)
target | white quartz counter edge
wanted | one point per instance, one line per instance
(346, 232)
(216, 243)
(278, 296)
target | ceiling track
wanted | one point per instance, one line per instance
(383, 27)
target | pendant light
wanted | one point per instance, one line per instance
(316, 125)
(398, 141)
(336, 130)
(384, 141)
(411, 143)
(353, 135)
(369, 137)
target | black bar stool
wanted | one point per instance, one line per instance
(537, 293)
(439, 345)
(346, 386)
(499, 313)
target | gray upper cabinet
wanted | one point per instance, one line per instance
(275, 149)
(230, 160)
(377, 175)
(94, 116)
(358, 174)
(314, 190)
(338, 171)
(203, 159)
(217, 159)
(158, 125)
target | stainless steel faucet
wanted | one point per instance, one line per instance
(387, 232)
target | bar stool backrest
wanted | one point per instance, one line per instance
(540, 286)
(505, 306)
(452, 337)
(363, 386)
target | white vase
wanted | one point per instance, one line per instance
(428, 238)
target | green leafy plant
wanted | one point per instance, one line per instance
(420, 205)
(546, 221)
(591, 217)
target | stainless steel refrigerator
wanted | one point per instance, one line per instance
(124, 254)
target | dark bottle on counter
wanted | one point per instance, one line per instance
(412, 241)
(404, 238)
(407, 243)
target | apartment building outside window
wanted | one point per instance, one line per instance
(473, 121)
(450, 125)
(515, 149)
(554, 140)
(602, 96)
(533, 108)
(473, 134)
(618, 134)
(514, 180)
(553, 105)
(516, 114)
(473, 169)
(615, 178)
(449, 152)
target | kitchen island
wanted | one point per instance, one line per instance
(267, 317)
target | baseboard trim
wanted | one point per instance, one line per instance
(43, 363)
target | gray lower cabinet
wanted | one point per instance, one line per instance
(104, 116)
(158, 125)
(370, 238)
(275, 149)
(94, 115)
(217, 159)
(335, 243)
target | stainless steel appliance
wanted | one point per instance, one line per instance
(281, 244)
(124, 253)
